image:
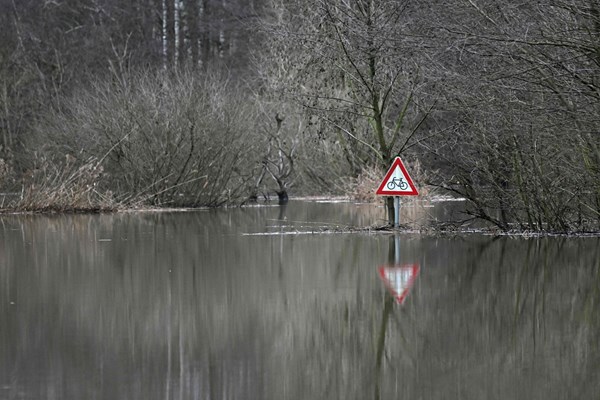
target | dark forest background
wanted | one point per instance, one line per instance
(107, 104)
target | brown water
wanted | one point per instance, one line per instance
(221, 305)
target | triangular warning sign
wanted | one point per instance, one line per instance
(399, 279)
(397, 182)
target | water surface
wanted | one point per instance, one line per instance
(206, 305)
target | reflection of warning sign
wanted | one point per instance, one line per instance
(399, 279)
(397, 182)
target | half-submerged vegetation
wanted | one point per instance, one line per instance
(68, 187)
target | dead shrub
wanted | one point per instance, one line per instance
(177, 140)
(366, 184)
(66, 186)
(6, 173)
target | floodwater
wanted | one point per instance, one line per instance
(259, 303)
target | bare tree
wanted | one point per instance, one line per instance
(354, 66)
(523, 101)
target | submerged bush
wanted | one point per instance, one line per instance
(180, 140)
(62, 186)
(540, 181)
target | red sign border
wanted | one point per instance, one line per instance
(382, 191)
(400, 297)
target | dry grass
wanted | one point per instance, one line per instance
(64, 187)
(5, 172)
(366, 184)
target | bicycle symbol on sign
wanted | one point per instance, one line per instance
(397, 183)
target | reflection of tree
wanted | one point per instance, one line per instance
(173, 304)
(491, 319)
(387, 310)
(509, 323)
(140, 316)
(153, 314)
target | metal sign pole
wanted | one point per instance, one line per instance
(396, 211)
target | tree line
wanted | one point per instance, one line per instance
(498, 101)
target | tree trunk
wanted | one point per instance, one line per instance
(176, 33)
(283, 197)
(165, 37)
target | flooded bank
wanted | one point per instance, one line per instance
(202, 305)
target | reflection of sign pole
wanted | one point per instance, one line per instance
(397, 182)
(397, 249)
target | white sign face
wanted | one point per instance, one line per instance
(399, 279)
(397, 182)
